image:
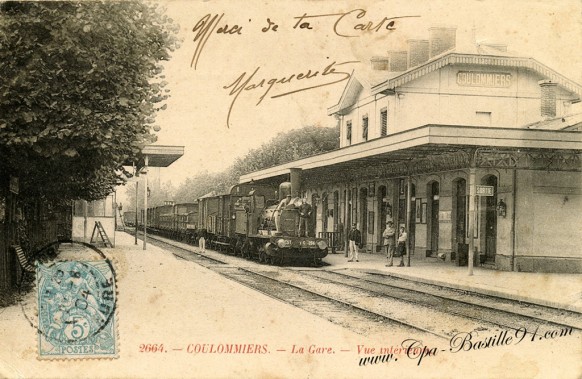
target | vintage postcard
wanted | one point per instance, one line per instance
(312, 189)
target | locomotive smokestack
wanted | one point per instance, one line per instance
(284, 190)
(295, 177)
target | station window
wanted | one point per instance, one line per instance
(349, 132)
(483, 118)
(365, 128)
(97, 208)
(383, 122)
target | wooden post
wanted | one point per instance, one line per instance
(85, 210)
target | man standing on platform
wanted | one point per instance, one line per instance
(401, 249)
(388, 236)
(355, 239)
(202, 240)
(304, 216)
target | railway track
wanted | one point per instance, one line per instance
(365, 302)
(450, 299)
(347, 314)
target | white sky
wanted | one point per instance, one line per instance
(549, 31)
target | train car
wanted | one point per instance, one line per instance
(192, 225)
(174, 221)
(183, 224)
(161, 219)
(152, 219)
(222, 230)
(214, 220)
(129, 218)
(208, 209)
(165, 219)
(222, 216)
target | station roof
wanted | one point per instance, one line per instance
(383, 81)
(425, 142)
(570, 122)
(159, 155)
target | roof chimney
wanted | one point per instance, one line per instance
(380, 63)
(417, 52)
(497, 46)
(398, 60)
(441, 39)
(548, 103)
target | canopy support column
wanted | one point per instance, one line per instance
(472, 199)
(408, 213)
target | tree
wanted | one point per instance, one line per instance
(199, 185)
(80, 85)
(285, 147)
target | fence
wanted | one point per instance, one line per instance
(34, 228)
(335, 240)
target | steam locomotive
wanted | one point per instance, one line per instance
(249, 221)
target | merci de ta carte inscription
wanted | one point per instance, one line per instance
(352, 24)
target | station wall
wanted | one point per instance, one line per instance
(83, 228)
(539, 232)
(548, 223)
(438, 98)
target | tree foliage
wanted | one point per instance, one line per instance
(199, 185)
(80, 85)
(285, 147)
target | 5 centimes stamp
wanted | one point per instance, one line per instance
(76, 304)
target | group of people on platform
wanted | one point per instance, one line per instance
(389, 240)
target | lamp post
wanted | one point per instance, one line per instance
(136, 205)
(136, 210)
(145, 205)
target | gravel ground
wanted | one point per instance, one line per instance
(169, 301)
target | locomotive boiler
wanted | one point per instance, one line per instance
(268, 227)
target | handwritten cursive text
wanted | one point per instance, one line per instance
(354, 23)
(251, 82)
(347, 20)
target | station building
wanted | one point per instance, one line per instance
(471, 147)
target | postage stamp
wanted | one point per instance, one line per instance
(77, 305)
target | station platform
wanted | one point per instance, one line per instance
(562, 291)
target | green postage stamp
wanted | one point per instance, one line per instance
(77, 308)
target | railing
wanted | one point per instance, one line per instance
(335, 240)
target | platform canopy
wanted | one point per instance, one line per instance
(152, 156)
(432, 148)
(158, 156)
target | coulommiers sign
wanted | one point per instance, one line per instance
(484, 79)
